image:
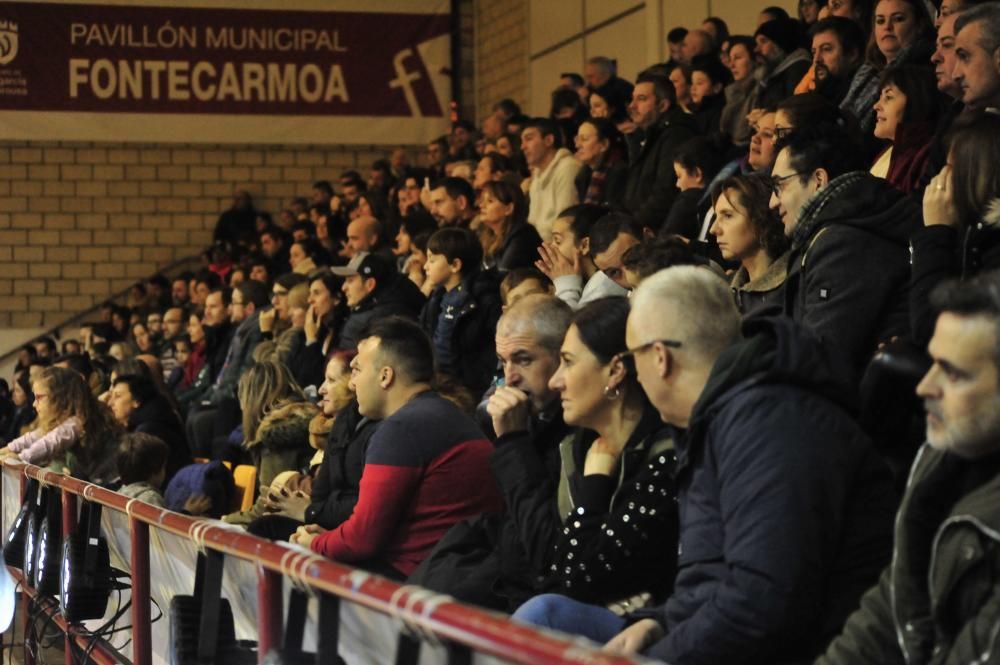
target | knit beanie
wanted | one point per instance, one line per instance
(785, 32)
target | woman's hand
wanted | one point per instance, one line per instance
(554, 264)
(311, 327)
(602, 458)
(289, 504)
(939, 204)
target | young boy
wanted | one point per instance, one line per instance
(462, 313)
(142, 467)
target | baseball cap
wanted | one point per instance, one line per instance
(367, 265)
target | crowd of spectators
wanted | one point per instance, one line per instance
(659, 368)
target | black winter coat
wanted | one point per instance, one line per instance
(335, 488)
(785, 508)
(848, 279)
(945, 252)
(157, 417)
(651, 185)
(620, 533)
(937, 603)
(472, 343)
(519, 250)
(399, 296)
(500, 561)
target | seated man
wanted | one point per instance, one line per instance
(373, 290)
(497, 562)
(946, 531)
(785, 508)
(849, 265)
(427, 466)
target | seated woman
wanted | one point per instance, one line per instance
(906, 114)
(709, 79)
(748, 231)
(276, 418)
(326, 493)
(24, 414)
(601, 149)
(961, 233)
(509, 241)
(310, 347)
(76, 432)
(617, 493)
(306, 255)
(567, 261)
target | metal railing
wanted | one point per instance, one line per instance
(464, 628)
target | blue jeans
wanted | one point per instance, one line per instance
(564, 614)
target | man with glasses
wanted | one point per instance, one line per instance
(849, 269)
(785, 508)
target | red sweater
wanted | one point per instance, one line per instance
(427, 468)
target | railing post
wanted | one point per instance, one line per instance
(25, 598)
(142, 638)
(269, 614)
(68, 527)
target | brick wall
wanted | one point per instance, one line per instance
(80, 221)
(502, 57)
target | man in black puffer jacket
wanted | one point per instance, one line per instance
(785, 508)
(651, 183)
(373, 290)
(849, 265)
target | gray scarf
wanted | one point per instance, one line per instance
(809, 216)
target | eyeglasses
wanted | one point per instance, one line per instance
(278, 294)
(631, 353)
(778, 182)
(781, 133)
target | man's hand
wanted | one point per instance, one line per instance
(554, 264)
(510, 409)
(939, 204)
(634, 639)
(266, 320)
(305, 535)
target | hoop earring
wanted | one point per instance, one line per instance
(612, 394)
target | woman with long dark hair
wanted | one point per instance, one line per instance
(961, 234)
(617, 494)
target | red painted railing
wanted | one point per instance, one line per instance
(462, 625)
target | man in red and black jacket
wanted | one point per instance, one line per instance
(427, 466)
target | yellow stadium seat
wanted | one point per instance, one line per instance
(245, 477)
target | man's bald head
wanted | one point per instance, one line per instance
(545, 318)
(696, 42)
(682, 319)
(363, 234)
(689, 304)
